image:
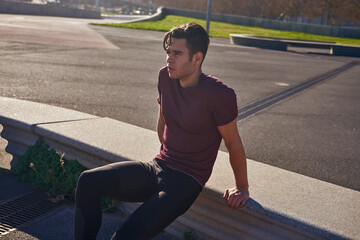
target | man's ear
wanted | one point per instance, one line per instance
(198, 58)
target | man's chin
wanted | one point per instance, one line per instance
(172, 75)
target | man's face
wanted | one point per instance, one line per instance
(179, 64)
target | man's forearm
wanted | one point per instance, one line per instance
(238, 164)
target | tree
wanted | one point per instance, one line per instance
(334, 12)
(330, 12)
(352, 11)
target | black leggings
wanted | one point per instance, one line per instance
(166, 194)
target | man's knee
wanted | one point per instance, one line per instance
(84, 178)
(85, 182)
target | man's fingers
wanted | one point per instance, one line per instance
(226, 194)
(243, 202)
(237, 200)
(232, 200)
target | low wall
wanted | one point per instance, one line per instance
(157, 16)
(346, 32)
(46, 10)
(282, 44)
(283, 205)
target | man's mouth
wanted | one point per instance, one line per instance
(170, 69)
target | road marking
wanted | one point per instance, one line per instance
(282, 84)
(264, 103)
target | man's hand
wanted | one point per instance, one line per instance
(236, 197)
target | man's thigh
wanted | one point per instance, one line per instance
(129, 181)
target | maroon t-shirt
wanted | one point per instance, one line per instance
(191, 139)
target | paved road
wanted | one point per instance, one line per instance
(315, 133)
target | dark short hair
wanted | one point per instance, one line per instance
(197, 39)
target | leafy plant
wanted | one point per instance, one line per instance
(109, 205)
(189, 236)
(48, 170)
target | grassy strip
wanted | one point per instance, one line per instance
(219, 29)
(109, 13)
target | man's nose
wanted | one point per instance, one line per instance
(170, 58)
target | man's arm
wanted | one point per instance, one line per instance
(160, 125)
(237, 196)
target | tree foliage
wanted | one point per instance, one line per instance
(329, 12)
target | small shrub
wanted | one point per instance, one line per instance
(189, 236)
(48, 170)
(109, 205)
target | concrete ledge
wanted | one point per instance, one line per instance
(252, 41)
(283, 205)
(282, 44)
(157, 16)
(22, 117)
(342, 50)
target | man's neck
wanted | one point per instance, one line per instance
(191, 80)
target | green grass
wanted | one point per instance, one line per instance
(109, 13)
(219, 29)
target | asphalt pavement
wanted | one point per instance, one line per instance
(314, 132)
(56, 224)
(30, 34)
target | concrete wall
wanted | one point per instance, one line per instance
(283, 205)
(346, 32)
(46, 10)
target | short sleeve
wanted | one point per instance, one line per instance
(225, 110)
(159, 96)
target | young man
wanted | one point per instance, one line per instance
(196, 112)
